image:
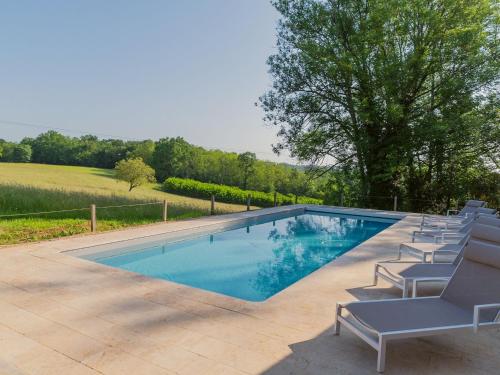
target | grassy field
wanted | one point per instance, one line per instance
(28, 188)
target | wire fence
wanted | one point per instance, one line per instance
(399, 203)
(95, 212)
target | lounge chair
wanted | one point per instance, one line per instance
(469, 206)
(443, 235)
(406, 274)
(460, 235)
(432, 252)
(471, 300)
(425, 251)
(468, 210)
(454, 222)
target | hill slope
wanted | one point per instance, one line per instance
(26, 188)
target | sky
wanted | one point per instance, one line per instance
(139, 69)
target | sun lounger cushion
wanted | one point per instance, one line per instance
(407, 314)
(413, 270)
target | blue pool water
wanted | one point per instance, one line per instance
(254, 262)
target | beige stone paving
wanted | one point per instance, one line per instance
(60, 314)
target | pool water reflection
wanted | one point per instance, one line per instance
(252, 262)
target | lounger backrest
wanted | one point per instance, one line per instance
(475, 203)
(476, 280)
(468, 210)
(486, 211)
(488, 220)
(486, 233)
(480, 232)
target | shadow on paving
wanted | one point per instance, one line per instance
(348, 354)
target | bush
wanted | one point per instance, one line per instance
(229, 194)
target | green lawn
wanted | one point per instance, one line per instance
(26, 188)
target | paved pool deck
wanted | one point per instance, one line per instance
(60, 314)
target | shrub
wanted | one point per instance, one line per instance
(229, 194)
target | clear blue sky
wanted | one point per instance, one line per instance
(139, 69)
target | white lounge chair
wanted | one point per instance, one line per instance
(409, 274)
(443, 235)
(428, 252)
(471, 300)
(460, 235)
(469, 206)
(471, 209)
(454, 222)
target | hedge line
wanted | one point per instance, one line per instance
(229, 194)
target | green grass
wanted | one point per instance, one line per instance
(27, 188)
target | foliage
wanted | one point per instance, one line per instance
(246, 162)
(401, 94)
(13, 152)
(229, 194)
(170, 157)
(134, 171)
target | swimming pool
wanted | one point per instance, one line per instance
(251, 262)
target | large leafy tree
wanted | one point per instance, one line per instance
(387, 84)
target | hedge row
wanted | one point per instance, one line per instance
(229, 194)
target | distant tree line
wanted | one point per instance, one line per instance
(174, 157)
(169, 157)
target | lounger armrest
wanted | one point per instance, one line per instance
(477, 312)
(418, 280)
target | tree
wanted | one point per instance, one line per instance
(143, 150)
(21, 153)
(171, 158)
(386, 84)
(53, 148)
(246, 162)
(134, 171)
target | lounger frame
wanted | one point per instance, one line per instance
(425, 255)
(380, 343)
(401, 282)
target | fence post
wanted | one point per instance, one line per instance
(165, 210)
(395, 203)
(212, 205)
(93, 219)
(341, 199)
(248, 202)
(275, 199)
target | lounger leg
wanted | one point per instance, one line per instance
(381, 354)
(337, 322)
(375, 275)
(399, 252)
